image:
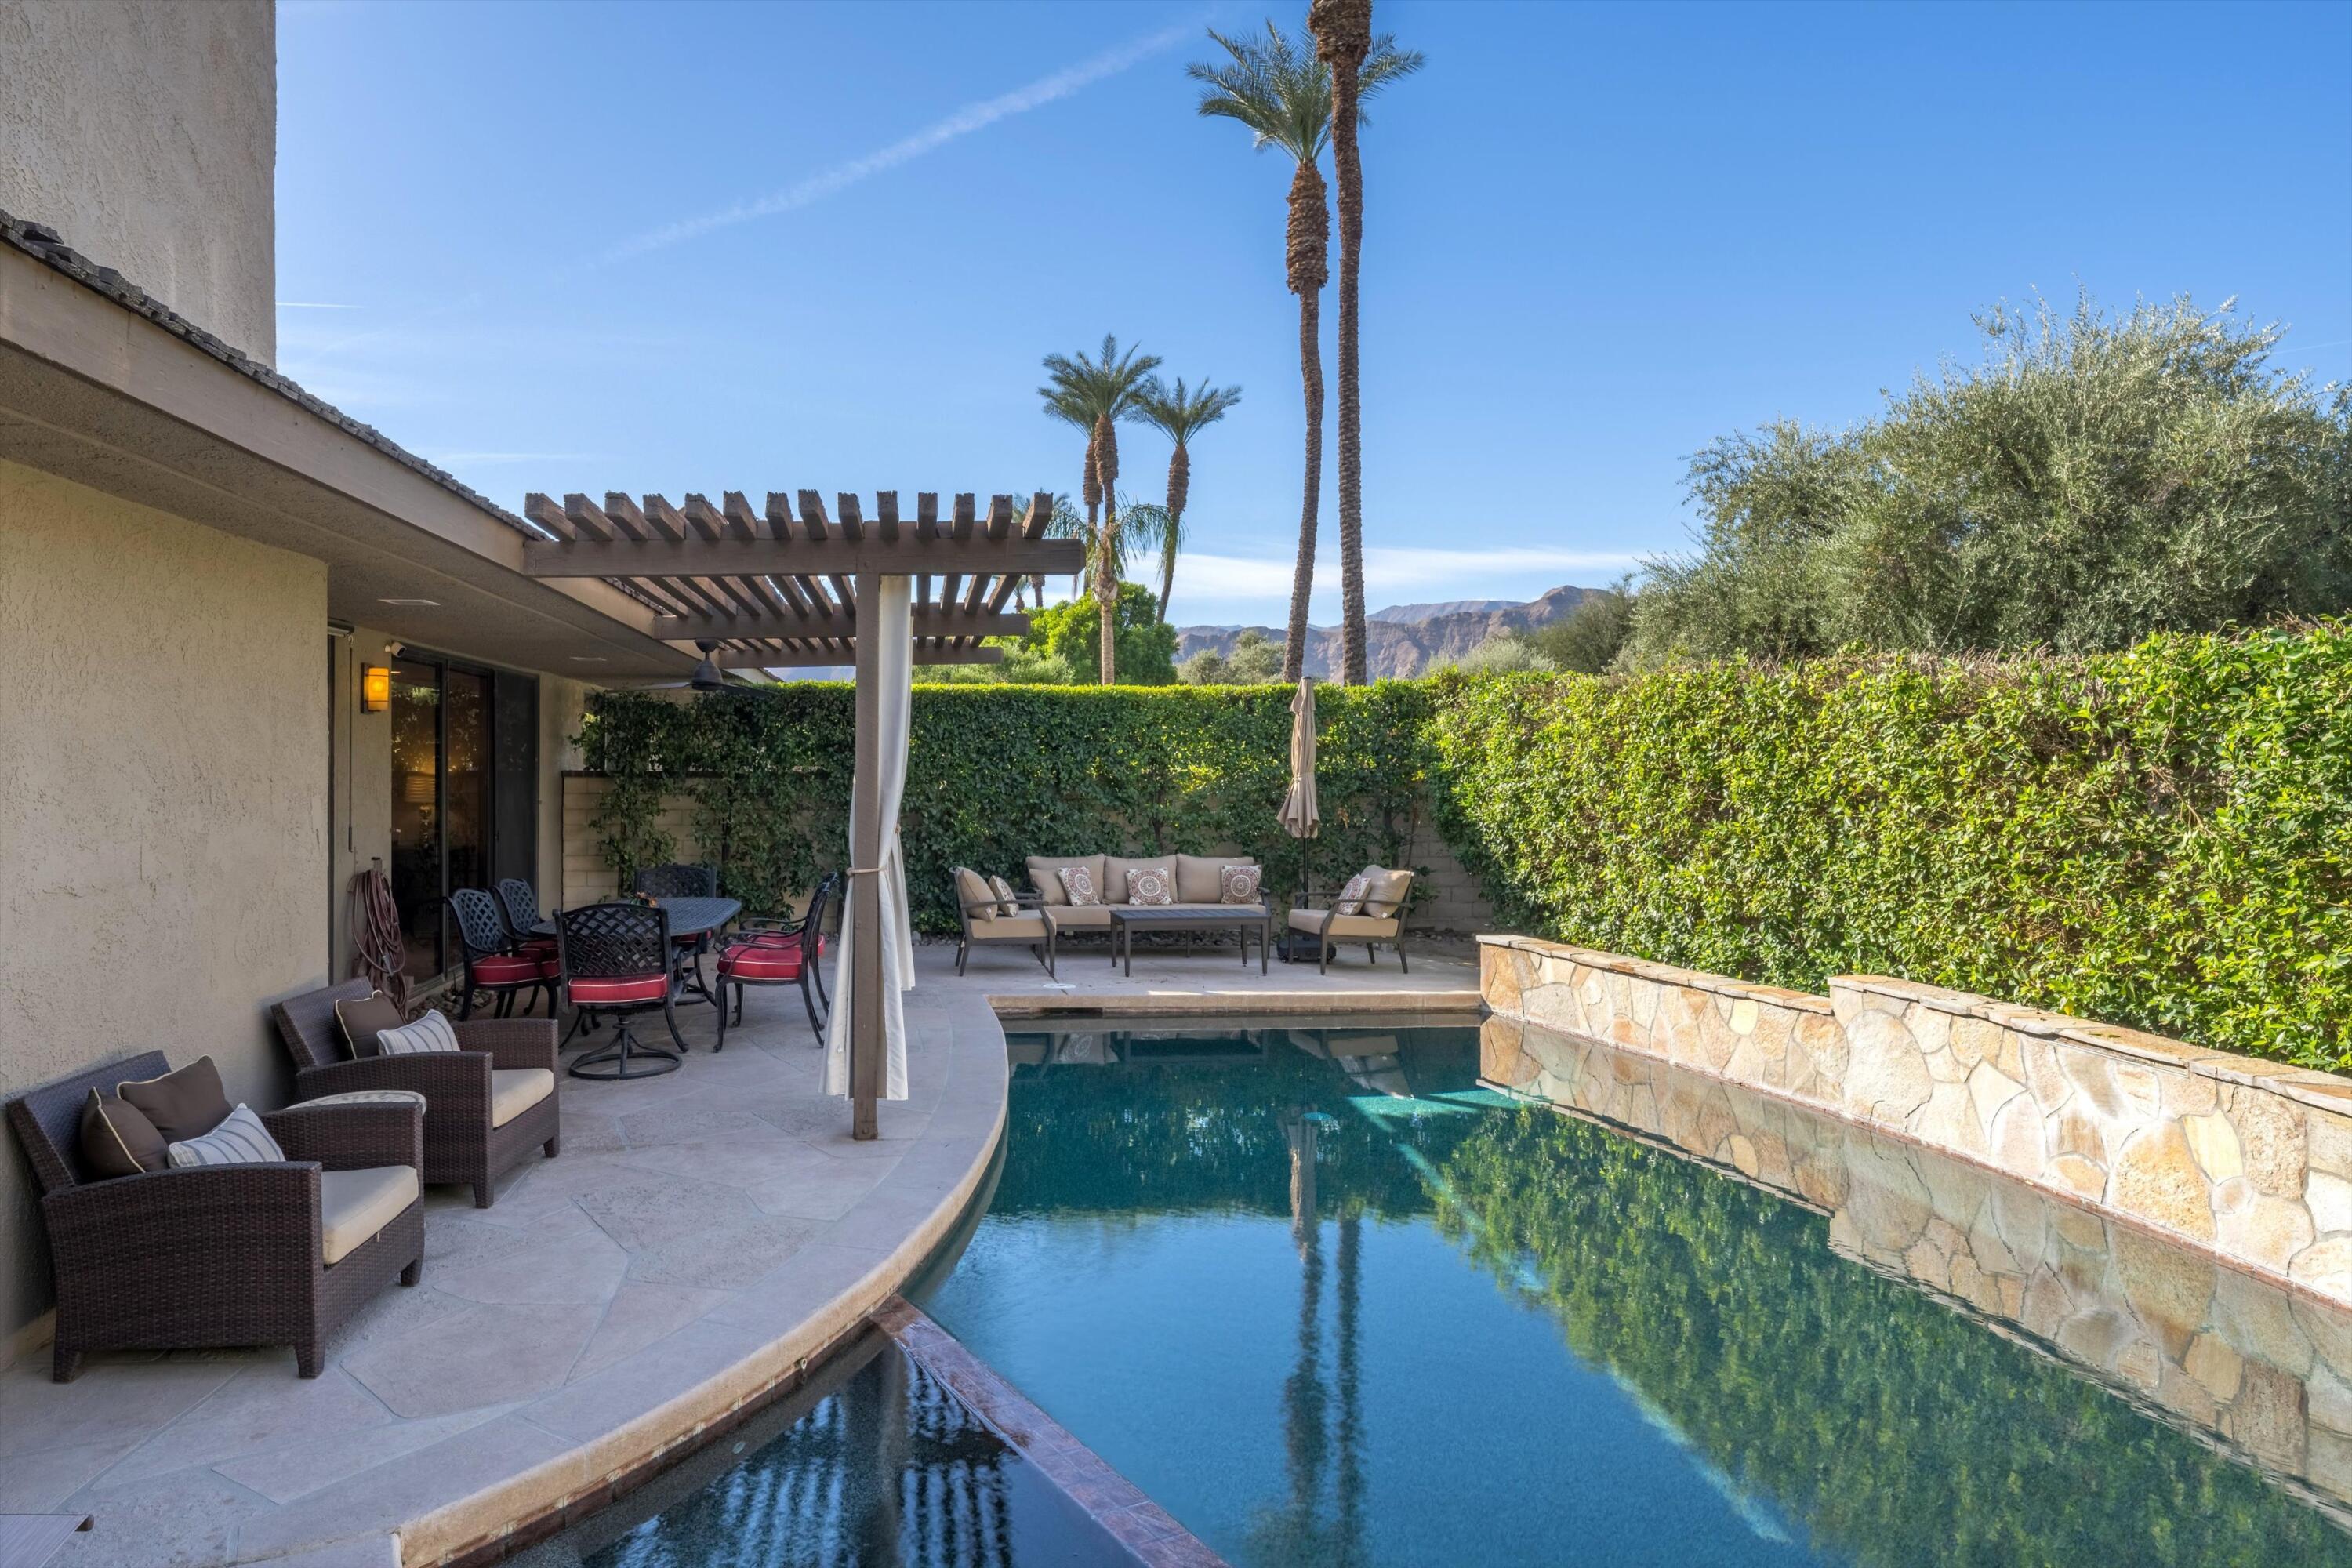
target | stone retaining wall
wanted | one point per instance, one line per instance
(2246, 1159)
(2262, 1371)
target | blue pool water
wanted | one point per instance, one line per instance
(1330, 1303)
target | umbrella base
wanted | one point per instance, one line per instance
(1298, 947)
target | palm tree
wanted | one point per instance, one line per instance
(1344, 43)
(1283, 94)
(1095, 394)
(1180, 413)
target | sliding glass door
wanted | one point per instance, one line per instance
(465, 775)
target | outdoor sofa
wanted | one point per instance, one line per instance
(1197, 878)
(210, 1256)
(486, 1105)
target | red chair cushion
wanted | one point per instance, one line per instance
(512, 969)
(787, 938)
(542, 945)
(760, 962)
(625, 988)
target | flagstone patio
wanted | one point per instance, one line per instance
(702, 1237)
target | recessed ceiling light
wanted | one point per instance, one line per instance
(590, 658)
(423, 604)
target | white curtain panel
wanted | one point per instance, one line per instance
(890, 622)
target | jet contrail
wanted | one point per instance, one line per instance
(963, 123)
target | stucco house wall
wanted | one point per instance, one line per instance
(163, 863)
(145, 132)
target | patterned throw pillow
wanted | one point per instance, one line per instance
(1350, 900)
(1078, 882)
(1007, 901)
(1238, 884)
(1150, 888)
(241, 1140)
(430, 1033)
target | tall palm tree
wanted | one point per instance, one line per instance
(1283, 94)
(1344, 43)
(1100, 393)
(1180, 413)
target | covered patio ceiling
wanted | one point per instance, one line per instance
(776, 586)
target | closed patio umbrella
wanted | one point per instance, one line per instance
(1300, 816)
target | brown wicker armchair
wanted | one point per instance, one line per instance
(466, 1141)
(207, 1256)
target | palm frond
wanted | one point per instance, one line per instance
(1180, 412)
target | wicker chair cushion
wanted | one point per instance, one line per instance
(512, 969)
(431, 1032)
(627, 988)
(188, 1104)
(371, 1097)
(362, 1018)
(759, 963)
(117, 1140)
(241, 1140)
(354, 1204)
(514, 1090)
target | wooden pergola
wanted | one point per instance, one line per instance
(783, 586)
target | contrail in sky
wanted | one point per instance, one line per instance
(963, 123)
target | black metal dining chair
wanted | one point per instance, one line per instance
(519, 902)
(493, 965)
(779, 953)
(682, 881)
(615, 958)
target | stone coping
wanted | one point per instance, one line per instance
(1664, 973)
(1457, 1000)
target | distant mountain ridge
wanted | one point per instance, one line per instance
(1405, 640)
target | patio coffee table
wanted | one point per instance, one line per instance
(1126, 920)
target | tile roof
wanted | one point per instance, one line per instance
(44, 245)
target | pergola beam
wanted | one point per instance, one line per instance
(833, 554)
(844, 655)
(930, 620)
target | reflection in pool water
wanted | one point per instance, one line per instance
(1329, 1301)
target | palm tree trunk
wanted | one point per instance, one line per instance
(1106, 549)
(1342, 30)
(1302, 576)
(1180, 488)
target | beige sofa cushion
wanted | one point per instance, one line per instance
(514, 1090)
(1029, 925)
(1114, 869)
(1345, 928)
(1387, 892)
(972, 892)
(1197, 876)
(1044, 874)
(1086, 917)
(354, 1204)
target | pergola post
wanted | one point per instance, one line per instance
(865, 1043)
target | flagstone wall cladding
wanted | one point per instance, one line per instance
(2265, 1370)
(2247, 1159)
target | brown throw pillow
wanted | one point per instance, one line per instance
(364, 1018)
(184, 1104)
(117, 1140)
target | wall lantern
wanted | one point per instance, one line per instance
(375, 687)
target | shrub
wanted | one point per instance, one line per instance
(2160, 837)
(1071, 633)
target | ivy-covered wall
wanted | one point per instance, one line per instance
(2160, 837)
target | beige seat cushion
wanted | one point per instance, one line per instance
(1113, 881)
(354, 1204)
(974, 893)
(1027, 926)
(1082, 917)
(1235, 912)
(1387, 892)
(1345, 928)
(1198, 877)
(1043, 876)
(514, 1090)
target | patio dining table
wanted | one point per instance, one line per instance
(687, 918)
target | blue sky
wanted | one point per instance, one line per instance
(679, 246)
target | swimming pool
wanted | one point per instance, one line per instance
(1329, 1301)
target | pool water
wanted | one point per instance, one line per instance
(1331, 1302)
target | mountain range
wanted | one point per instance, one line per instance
(1404, 639)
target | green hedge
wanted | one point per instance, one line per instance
(995, 774)
(2160, 837)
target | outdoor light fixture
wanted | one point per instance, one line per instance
(375, 687)
(705, 674)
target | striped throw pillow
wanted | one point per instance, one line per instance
(430, 1033)
(242, 1139)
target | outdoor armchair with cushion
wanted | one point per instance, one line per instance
(1382, 921)
(985, 922)
(486, 1106)
(195, 1258)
